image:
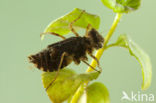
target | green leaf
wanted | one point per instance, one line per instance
(66, 83)
(122, 6)
(140, 55)
(61, 25)
(95, 93)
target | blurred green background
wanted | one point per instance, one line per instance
(22, 21)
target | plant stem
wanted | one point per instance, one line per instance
(98, 55)
(78, 93)
(107, 38)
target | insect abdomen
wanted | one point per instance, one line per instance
(44, 60)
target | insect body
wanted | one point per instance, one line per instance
(75, 49)
(59, 55)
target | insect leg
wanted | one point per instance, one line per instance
(87, 29)
(98, 64)
(90, 66)
(57, 73)
(52, 33)
(71, 24)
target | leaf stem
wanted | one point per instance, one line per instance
(98, 55)
(107, 38)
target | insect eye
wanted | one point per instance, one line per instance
(100, 45)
